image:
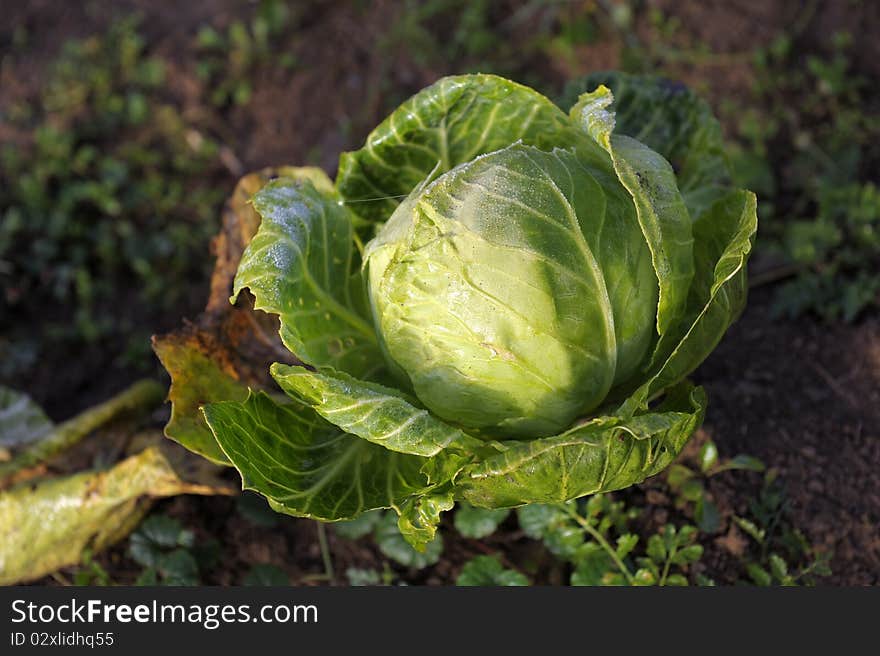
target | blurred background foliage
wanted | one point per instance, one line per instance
(124, 129)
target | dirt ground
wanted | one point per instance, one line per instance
(801, 395)
(805, 398)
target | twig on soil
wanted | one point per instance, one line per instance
(774, 275)
(263, 337)
(142, 395)
(835, 386)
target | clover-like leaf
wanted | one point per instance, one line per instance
(536, 518)
(155, 537)
(489, 571)
(352, 529)
(266, 574)
(478, 523)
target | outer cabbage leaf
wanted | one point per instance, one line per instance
(376, 413)
(227, 348)
(307, 467)
(197, 377)
(299, 266)
(671, 119)
(662, 214)
(607, 453)
(724, 237)
(49, 523)
(446, 124)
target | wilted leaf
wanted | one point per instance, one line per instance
(35, 458)
(47, 525)
(197, 378)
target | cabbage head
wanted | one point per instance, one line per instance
(496, 301)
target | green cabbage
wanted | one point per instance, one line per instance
(497, 301)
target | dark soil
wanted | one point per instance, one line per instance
(801, 395)
(805, 398)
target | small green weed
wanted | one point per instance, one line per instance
(107, 211)
(779, 553)
(227, 60)
(688, 484)
(168, 553)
